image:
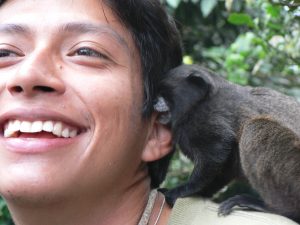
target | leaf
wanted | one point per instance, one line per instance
(173, 3)
(273, 10)
(240, 19)
(239, 76)
(207, 6)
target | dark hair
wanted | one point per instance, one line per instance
(158, 42)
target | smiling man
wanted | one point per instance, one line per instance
(80, 143)
(76, 133)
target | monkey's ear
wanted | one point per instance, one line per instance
(199, 80)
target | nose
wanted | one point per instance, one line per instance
(36, 74)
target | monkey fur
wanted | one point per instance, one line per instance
(231, 131)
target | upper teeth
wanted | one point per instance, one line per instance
(57, 128)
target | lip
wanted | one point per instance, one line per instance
(38, 145)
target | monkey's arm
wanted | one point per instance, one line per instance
(210, 158)
(201, 178)
(270, 158)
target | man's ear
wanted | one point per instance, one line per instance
(159, 141)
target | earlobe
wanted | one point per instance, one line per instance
(159, 142)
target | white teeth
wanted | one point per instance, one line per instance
(12, 127)
(65, 133)
(48, 126)
(9, 131)
(73, 133)
(25, 127)
(36, 126)
(57, 129)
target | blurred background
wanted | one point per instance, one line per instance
(248, 42)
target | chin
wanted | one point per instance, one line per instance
(30, 186)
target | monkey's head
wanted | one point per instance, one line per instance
(182, 88)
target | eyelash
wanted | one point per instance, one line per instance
(85, 51)
(86, 55)
(6, 53)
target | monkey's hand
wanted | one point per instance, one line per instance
(162, 107)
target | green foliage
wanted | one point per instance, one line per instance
(240, 19)
(269, 48)
(5, 218)
(253, 42)
(179, 170)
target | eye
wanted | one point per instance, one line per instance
(7, 53)
(85, 51)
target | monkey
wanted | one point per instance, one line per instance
(230, 131)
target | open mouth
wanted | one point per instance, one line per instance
(39, 129)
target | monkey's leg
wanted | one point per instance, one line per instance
(201, 178)
(193, 185)
(243, 201)
(270, 158)
(212, 155)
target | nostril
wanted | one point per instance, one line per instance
(44, 88)
(38, 88)
(17, 89)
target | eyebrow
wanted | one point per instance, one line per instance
(14, 28)
(77, 28)
(88, 28)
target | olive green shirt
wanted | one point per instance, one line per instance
(197, 211)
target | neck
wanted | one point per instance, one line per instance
(89, 210)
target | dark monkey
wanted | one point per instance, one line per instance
(230, 131)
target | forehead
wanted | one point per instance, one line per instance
(47, 15)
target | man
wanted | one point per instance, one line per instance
(81, 144)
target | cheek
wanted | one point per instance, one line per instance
(113, 100)
(109, 98)
(116, 94)
(5, 74)
(118, 133)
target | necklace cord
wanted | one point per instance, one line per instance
(160, 211)
(149, 207)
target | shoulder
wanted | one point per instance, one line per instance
(198, 211)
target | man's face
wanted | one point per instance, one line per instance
(70, 96)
